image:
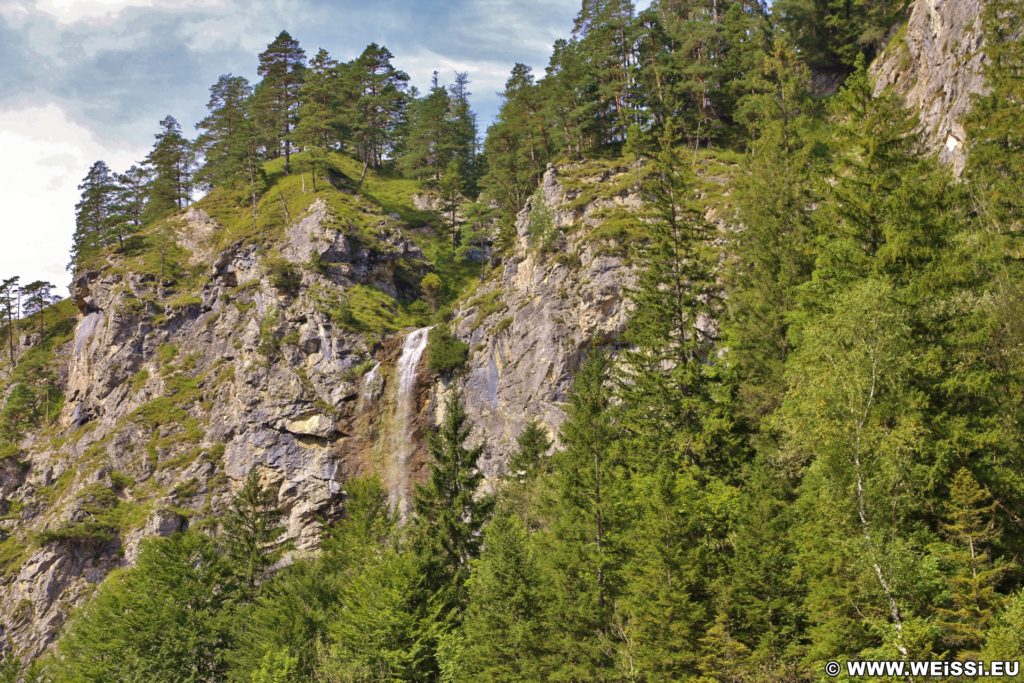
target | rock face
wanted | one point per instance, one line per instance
(173, 397)
(936, 65)
(529, 328)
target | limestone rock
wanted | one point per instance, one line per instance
(937, 68)
(314, 425)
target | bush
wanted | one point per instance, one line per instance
(445, 352)
(285, 277)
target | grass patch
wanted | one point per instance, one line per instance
(12, 554)
(364, 309)
(487, 304)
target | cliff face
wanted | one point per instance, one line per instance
(528, 327)
(291, 355)
(173, 398)
(935, 62)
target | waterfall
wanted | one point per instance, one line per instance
(370, 386)
(403, 428)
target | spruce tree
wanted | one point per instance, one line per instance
(583, 545)
(165, 619)
(668, 389)
(426, 151)
(251, 532)
(773, 253)
(295, 610)
(995, 161)
(450, 508)
(970, 528)
(387, 626)
(503, 633)
(532, 444)
(276, 99)
(662, 613)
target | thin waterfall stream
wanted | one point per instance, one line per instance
(403, 432)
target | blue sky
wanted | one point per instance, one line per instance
(82, 80)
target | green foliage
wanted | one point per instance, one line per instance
(163, 619)
(445, 352)
(834, 33)
(285, 277)
(432, 288)
(250, 532)
(450, 508)
(805, 446)
(502, 632)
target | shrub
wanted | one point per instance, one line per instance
(285, 277)
(445, 352)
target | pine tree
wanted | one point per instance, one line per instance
(227, 132)
(251, 532)
(319, 127)
(129, 205)
(375, 104)
(696, 59)
(519, 144)
(450, 189)
(603, 35)
(276, 99)
(10, 309)
(94, 213)
(450, 508)
(171, 165)
(833, 34)
(38, 295)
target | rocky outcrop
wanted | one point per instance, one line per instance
(935, 63)
(529, 327)
(174, 393)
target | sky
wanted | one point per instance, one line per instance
(82, 80)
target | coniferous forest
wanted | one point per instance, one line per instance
(806, 445)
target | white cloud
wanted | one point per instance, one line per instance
(72, 11)
(45, 156)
